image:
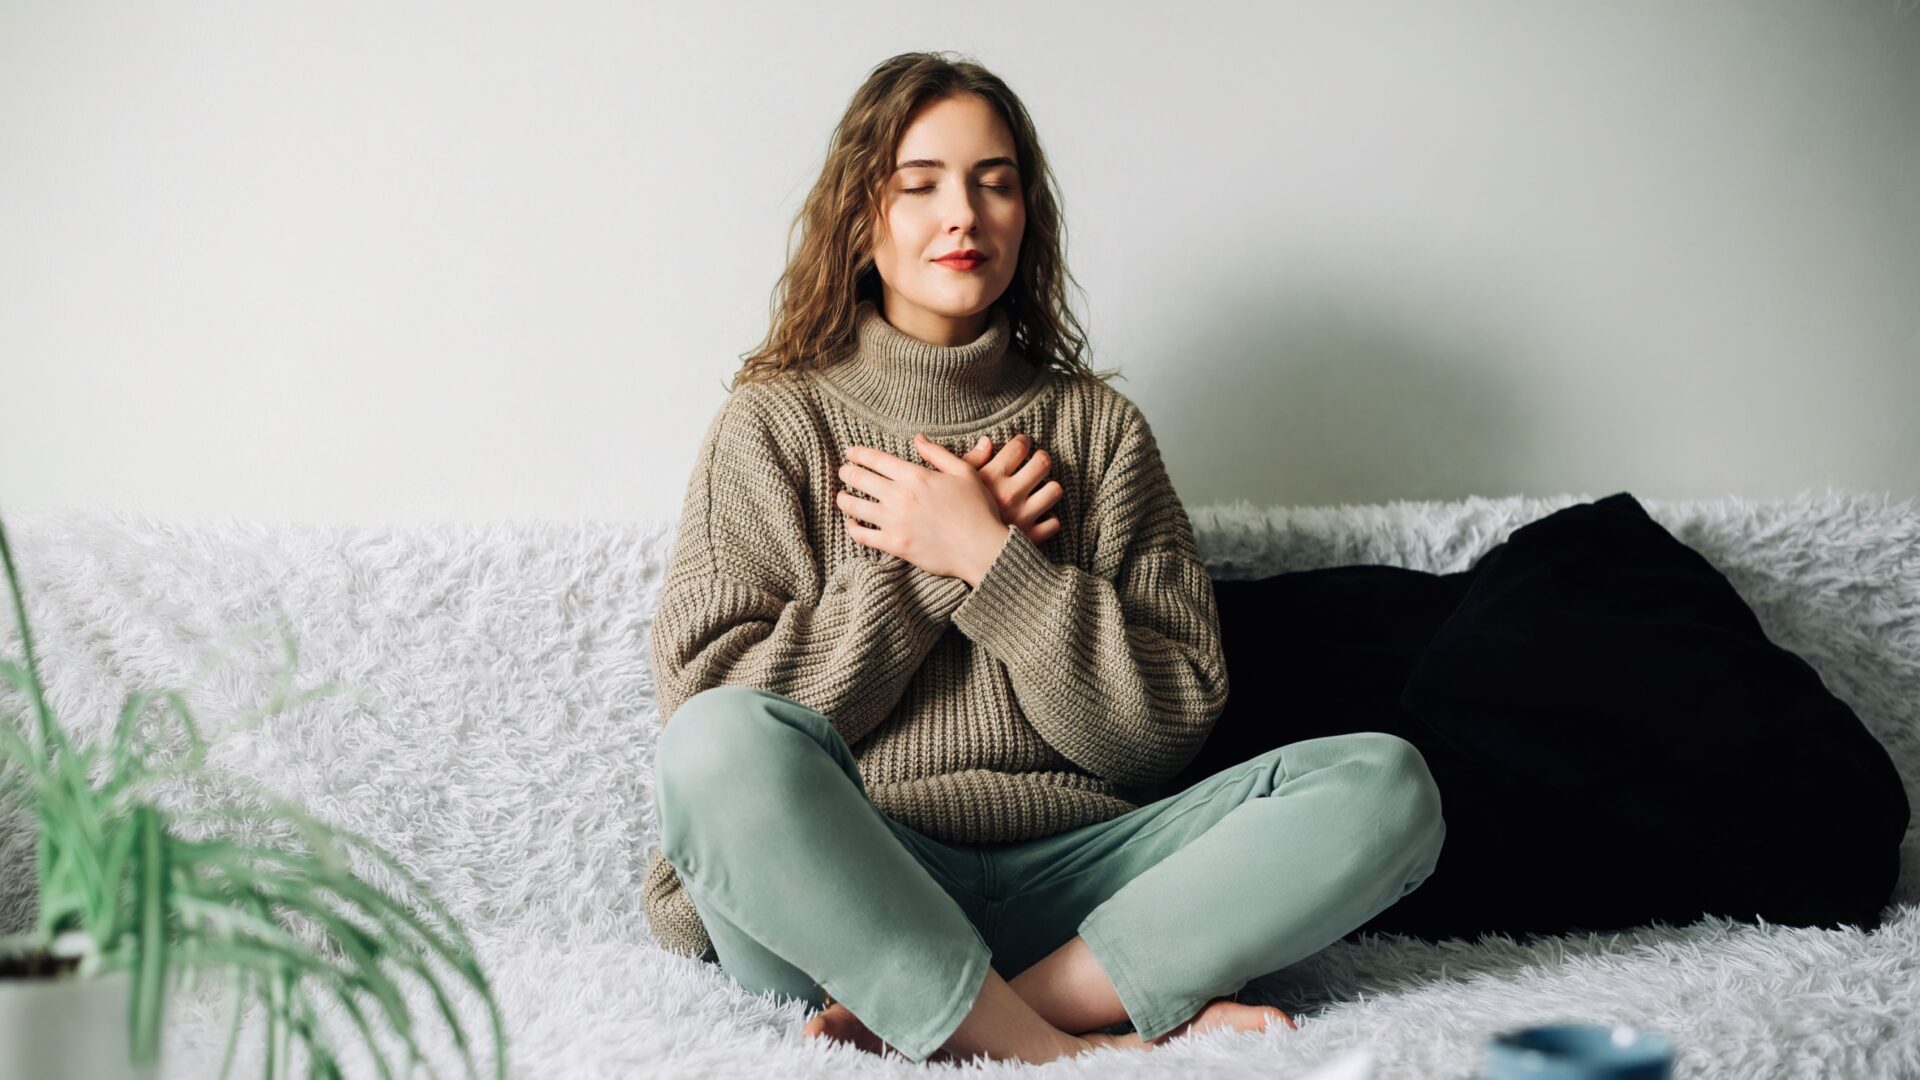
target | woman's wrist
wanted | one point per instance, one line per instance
(987, 551)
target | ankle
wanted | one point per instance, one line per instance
(1002, 1026)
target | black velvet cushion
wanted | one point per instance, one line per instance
(1615, 739)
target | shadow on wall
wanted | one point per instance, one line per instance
(1306, 399)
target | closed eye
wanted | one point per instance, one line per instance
(929, 187)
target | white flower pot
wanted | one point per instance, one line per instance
(67, 1028)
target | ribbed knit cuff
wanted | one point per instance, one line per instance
(934, 595)
(1008, 610)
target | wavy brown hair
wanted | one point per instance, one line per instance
(832, 270)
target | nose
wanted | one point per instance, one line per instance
(961, 213)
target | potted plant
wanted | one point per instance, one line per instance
(136, 897)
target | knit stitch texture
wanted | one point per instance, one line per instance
(1079, 676)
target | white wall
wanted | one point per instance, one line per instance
(359, 261)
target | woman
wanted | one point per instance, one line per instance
(919, 705)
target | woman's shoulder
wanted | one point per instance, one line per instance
(769, 418)
(1097, 403)
(767, 410)
(773, 400)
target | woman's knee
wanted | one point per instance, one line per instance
(1402, 792)
(710, 738)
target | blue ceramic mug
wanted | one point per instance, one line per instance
(1579, 1052)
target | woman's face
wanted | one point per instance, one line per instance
(955, 185)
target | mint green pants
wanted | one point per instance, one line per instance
(805, 886)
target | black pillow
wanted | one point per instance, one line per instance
(1615, 738)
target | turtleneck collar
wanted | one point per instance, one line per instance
(908, 383)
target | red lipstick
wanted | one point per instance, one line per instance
(963, 259)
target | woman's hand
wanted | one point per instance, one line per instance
(943, 520)
(1022, 498)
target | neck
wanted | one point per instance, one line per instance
(917, 384)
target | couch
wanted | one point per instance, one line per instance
(501, 744)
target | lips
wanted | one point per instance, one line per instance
(962, 260)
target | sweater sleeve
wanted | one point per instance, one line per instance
(746, 601)
(1119, 668)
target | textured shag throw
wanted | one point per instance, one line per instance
(505, 745)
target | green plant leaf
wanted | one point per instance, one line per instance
(106, 915)
(52, 738)
(229, 857)
(149, 976)
(116, 879)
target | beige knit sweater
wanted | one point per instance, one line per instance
(1083, 672)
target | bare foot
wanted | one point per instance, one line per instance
(1218, 1013)
(837, 1022)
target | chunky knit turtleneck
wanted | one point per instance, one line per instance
(1080, 675)
(897, 379)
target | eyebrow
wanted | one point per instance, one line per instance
(935, 163)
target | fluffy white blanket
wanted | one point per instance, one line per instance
(504, 751)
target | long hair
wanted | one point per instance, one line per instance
(832, 270)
